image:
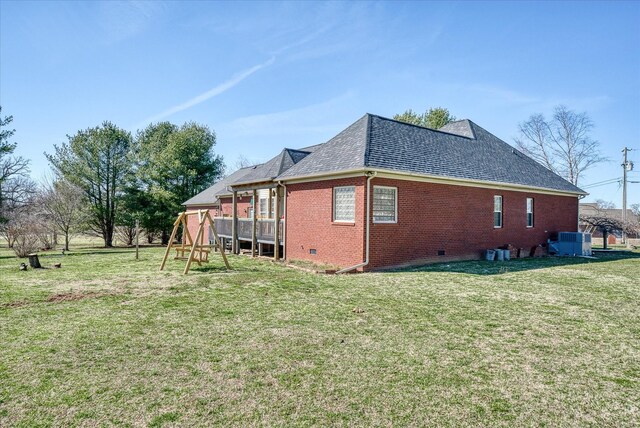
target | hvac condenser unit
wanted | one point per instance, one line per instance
(571, 244)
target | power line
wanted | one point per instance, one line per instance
(603, 183)
(608, 179)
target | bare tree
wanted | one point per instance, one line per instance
(607, 223)
(65, 205)
(125, 234)
(15, 185)
(601, 204)
(241, 162)
(562, 144)
(151, 235)
(28, 230)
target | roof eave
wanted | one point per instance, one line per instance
(432, 178)
(478, 183)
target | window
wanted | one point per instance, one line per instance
(344, 204)
(273, 207)
(264, 207)
(497, 211)
(529, 212)
(385, 204)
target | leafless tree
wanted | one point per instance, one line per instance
(601, 204)
(125, 234)
(152, 235)
(16, 188)
(65, 205)
(608, 225)
(562, 144)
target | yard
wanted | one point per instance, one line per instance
(111, 341)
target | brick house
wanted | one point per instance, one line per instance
(384, 193)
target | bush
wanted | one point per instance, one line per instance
(29, 232)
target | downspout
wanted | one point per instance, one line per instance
(580, 197)
(369, 175)
(284, 214)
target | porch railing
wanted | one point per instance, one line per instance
(265, 229)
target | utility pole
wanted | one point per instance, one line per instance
(626, 166)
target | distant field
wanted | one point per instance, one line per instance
(111, 341)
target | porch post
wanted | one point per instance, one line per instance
(254, 224)
(276, 229)
(234, 223)
(284, 223)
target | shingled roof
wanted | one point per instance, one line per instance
(210, 195)
(252, 174)
(274, 167)
(460, 150)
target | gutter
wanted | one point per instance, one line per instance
(437, 179)
(369, 175)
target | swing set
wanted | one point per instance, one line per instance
(196, 248)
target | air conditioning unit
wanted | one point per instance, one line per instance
(571, 244)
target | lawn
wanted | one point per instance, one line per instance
(111, 341)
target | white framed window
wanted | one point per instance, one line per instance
(497, 211)
(344, 204)
(529, 212)
(385, 204)
(264, 207)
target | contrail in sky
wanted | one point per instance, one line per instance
(217, 90)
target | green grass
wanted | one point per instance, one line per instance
(111, 341)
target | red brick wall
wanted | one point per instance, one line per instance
(226, 205)
(226, 208)
(459, 220)
(309, 224)
(192, 221)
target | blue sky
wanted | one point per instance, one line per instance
(269, 75)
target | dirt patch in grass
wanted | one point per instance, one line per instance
(70, 297)
(59, 298)
(15, 304)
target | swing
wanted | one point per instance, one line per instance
(195, 248)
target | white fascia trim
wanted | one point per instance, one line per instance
(471, 183)
(386, 173)
(326, 176)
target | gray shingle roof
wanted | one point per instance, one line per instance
(345, 151)
(274, 167)
(210, 195)
(459, 127)
(461, 150)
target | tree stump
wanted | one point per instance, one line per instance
(34, 262)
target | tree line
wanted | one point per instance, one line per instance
(104, 180)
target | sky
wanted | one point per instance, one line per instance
(265, 76)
